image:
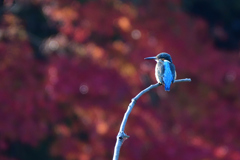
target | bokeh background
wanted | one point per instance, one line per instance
(69, 69)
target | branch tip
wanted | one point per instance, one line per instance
(183, 80)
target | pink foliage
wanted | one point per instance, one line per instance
(76, 99)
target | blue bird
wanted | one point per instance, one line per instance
(165, 70)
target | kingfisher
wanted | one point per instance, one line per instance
(165, 72)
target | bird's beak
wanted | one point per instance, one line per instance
(150, 58)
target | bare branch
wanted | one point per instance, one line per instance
(121, 137)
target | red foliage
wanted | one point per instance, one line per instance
(71, 105)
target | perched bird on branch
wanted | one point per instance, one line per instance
(165, 70)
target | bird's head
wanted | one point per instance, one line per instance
(161, 56)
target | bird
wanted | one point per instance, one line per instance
(165, 71)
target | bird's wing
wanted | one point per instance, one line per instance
(173, 70)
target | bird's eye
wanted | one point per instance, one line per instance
(162, 59)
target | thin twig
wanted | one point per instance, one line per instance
(183, 80)
(121, 137)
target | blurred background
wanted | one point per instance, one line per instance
(69, 69)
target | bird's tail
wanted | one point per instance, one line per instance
(167, 87)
